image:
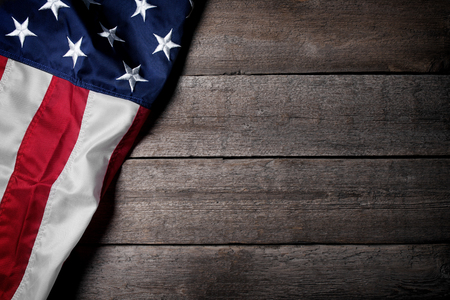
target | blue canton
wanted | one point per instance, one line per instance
(124, 48)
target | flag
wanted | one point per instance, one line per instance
(77, 81)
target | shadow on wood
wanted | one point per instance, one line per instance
(75, 267)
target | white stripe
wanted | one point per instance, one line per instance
(22, 90)
(75, 194)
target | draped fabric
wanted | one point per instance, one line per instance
(77, 80)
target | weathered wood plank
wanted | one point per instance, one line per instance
(303, 116)
(290, 36)
(276, 272)
(266, 201)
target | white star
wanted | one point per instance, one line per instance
(89, 2)
(141, 7)
(132, 75)
(54, 5)
(74, 50)
(110, 34)
(21, 31)
(165, 44)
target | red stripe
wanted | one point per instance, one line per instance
(3, 61)
(44, 151)
(124, 147)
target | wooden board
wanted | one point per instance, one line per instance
(312, 173)
(320, 115)
(276, 201)
(290, 36)
(270, 272)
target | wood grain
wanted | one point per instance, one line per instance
(279, 217)
(314, 115)
(276, 201)
(252, 272)
(290, 36)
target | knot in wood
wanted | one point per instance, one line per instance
(445, 270)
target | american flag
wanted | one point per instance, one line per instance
(77, 80)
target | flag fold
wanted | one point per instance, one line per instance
(77, 80)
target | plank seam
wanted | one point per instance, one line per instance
(243, 74)
(399, 157)
(259, 245)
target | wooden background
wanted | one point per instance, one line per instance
(300, 150)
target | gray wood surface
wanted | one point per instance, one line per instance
(290, 36)
(276, 201)
(257, 272)
(293, 161)
(303, 116)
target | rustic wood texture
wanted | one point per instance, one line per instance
(278, 201)
(291, 36)
(255, 272)
(312, 170)
(303, 116)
